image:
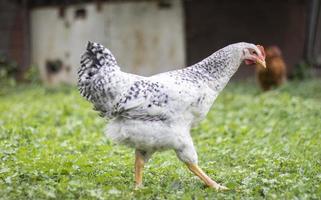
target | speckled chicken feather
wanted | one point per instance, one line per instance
(156, 112)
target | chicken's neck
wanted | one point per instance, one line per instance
(217, 69)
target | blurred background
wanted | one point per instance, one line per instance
(44, 39)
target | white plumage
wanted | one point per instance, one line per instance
(156, 113)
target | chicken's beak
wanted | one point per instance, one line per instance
(261, 58)
(261, 63)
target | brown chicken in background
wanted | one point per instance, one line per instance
(274, 74)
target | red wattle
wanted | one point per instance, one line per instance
(249, 62)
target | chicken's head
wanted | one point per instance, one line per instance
(254, 55)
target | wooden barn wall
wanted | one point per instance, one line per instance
(212, 24)
(316, 54)
(145, 37)
(13, 31)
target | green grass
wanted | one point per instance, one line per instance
(260, 145)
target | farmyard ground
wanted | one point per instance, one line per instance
(259, 145)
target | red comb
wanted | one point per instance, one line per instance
(262, 50)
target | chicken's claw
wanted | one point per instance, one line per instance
(219, 187)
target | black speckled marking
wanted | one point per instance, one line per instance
(145, 89)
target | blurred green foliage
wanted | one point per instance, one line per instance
(32, 75)
(8, 71)
(302, 71)
(260, 145)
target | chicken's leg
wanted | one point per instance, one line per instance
(207, 180)
(139, 165)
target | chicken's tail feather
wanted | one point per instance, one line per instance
(95, 58)
(102, 55)
(95, 63)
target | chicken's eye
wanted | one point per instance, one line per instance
(254, 53)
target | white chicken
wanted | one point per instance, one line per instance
(156, 113)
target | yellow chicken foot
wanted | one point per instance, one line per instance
(207, 180)
(139, 166)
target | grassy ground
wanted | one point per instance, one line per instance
(259, 145)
